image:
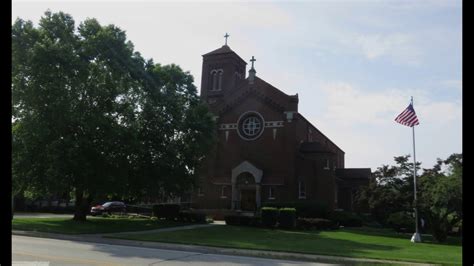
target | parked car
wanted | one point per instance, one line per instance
(108, 207)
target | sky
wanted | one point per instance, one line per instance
(354, 64)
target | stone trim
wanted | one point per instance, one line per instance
(245, 166)
(269, 124)
(257, 174)
(274, 124)
(228, 126)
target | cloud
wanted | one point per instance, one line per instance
(453, 83)
(399, 47)
(348, 105)
(361, 122)
(422, 5)
(439, 112)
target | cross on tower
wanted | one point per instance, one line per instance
(253, 60)
(226, 36)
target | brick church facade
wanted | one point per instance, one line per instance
(266, 151)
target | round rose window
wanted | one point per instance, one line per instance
(250, 125)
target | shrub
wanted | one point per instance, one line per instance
(269, 216)
(232, 220)
(456, 230)
(249, 220)
(439, 232)
(304, 209)
(192, 217)
(369, 220)
(315, 223)
(154, 210)
(167, 211)
(184, 217)
(241, 220)
(245, 220)
(401, 222)
(287, 218)
(139, 210)
(346, 219)
(197, 217)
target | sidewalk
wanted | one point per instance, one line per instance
(104, 239)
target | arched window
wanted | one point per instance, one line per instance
(216, 79)
(271, 193)
(301, 190)
(219, 83)
(213, 80)
(223, 192)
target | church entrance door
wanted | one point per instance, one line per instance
(247, 199)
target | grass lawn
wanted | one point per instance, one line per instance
(91, 226)
(361, 242)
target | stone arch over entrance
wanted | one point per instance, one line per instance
(244, 170)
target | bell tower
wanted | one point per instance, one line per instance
(222, 70)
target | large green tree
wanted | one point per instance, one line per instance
(92, 117)
(174, 130)
(439, 193)
(390, 191)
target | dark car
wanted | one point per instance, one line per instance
(108, 207)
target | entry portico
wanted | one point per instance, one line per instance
(245, 176)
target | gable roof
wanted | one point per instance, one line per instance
(222, 50)
(263, 91)
(225, 49)
(319, 131)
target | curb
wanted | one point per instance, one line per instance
(214, 250)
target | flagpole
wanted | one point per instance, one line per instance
(416, 236)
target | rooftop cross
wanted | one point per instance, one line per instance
(226, 36)
(253, 60)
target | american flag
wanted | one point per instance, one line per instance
(408, 117)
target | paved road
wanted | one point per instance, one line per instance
(62, 252)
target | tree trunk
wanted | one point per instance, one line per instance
(81, 208)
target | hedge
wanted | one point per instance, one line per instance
(249, 220)
(346, 219)
(167, 211)
(242, 220)
(287, 218)
(269, 216)
(232, 219)
(304, 209)
(192, 217)
(401, 222)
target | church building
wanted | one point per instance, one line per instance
(266, 150)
